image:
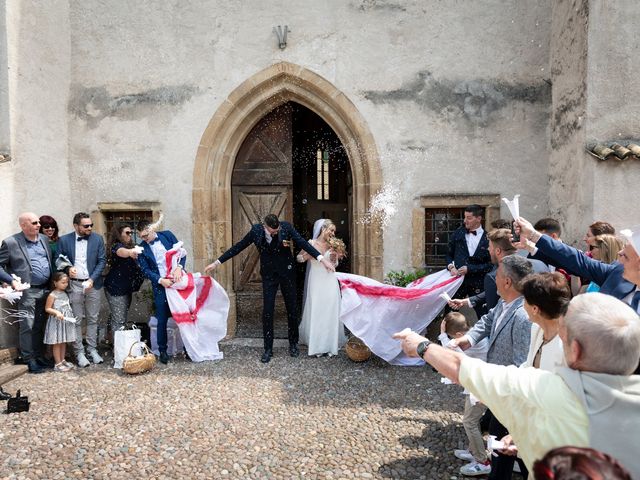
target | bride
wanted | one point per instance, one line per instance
(321, 328)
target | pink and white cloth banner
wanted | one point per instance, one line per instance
(374, 311)
(200, 307)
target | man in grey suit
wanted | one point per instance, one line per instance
(509, 330)
(28, 256)
(85, 252)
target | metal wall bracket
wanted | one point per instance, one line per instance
(281, 33)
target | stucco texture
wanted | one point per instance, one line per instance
(453, 112)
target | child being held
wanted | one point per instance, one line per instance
(454, 326)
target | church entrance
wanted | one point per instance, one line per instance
(291, 164)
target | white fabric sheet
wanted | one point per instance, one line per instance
(200, 307)
(373, 311)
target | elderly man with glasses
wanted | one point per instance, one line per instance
(85, 253)
(28, 256)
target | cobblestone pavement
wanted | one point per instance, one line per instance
(324, 418)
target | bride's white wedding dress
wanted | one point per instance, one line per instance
(321, 328)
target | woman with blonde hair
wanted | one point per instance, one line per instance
(604, 248)
(321, 329)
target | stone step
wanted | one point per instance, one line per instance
(9, 372)
(8, 355)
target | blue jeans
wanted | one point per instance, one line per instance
(162, 314)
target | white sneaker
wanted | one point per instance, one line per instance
(474, 469)
(82, 360)
(464, 455)
(95, 357)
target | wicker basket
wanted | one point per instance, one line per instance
(357, 350)
(134, 365)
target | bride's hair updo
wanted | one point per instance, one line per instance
(326, 224)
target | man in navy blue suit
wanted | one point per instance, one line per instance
(153, 264)
(85, 252)
(617, 279)
(273, 241)
(468, 255)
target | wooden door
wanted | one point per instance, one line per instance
(261, 184)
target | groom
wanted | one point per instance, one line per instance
(273, 240)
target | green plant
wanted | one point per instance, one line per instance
(402, 278)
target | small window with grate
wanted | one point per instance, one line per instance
(440, 223)
(132, 217)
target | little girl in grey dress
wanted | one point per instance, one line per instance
(61, 327)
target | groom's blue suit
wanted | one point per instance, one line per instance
(149, 267)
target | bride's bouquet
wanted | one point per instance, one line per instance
(338, 246)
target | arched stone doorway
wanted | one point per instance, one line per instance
(291, 164)
(228, 128)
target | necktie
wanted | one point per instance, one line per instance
(472, 232)
(635, 301)
(83, 238)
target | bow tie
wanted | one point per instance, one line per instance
(154, 241)
(472, 232)
(79, 239)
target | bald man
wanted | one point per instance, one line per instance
(28, 256)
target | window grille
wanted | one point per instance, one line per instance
(132, 217)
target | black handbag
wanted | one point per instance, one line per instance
(18, 404)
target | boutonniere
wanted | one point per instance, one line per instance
(286, 243)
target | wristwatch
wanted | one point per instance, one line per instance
(422, 347)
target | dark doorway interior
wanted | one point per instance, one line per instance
(321, 177)
(320, 186)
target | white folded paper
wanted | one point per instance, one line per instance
(445, 296)
(70, 319)
(138, 249)
(446, 381)
(494, 444)
(513, 206)
(85, 285)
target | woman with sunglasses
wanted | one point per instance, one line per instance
(49, 227)
(124, 275)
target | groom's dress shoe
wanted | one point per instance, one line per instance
(266, 356)
(293, 351)
(164, 358)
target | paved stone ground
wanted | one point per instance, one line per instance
(318, 418)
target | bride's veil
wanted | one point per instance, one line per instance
(317, 229)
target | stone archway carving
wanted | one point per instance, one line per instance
(234, 119)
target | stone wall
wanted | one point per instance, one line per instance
(593, 43)
(36, 179)
(39, 63)
(570, 168)
(453, 93)
(4, 83)
(612, 107)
